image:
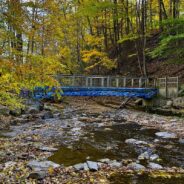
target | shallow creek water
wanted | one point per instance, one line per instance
(109, 142)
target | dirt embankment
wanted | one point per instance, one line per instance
(159, 67)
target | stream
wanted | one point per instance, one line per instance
(82, 136)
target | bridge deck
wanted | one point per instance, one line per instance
(100, 86)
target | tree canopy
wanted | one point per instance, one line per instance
(41, 38)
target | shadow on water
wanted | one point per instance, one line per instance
(79, 154)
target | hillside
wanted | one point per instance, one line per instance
(158, 67)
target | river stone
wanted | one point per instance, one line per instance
(154, 157)
(105, 160)
(38, 175)
(181, 141)
(48, 149)
(144, 156)
(152, 165)
(16, 112)
(108, 129)
(33, 110)
(93, 166)
(79, 167)
(4, 110)
(42, 165)
(135, 166)
(48, 115)
(166, 135)
(86, 168)
(115, 163)
(135, 142)
(169, 103)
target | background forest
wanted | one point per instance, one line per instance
(41, 38)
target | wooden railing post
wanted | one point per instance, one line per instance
(177, 85)
(91, 81)
(86, 81)
(102, 82)
(73, 80)
(166, 87)
(108, 81)
(140, 82)
(124, 82)
(117, 82)
(132, 82)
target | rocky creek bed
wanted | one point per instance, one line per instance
(83, 142)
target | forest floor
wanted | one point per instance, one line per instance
(60, 132)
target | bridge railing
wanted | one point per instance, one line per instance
(105, 81)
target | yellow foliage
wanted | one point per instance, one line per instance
(37, 71)
(94, 58)
(94, 41)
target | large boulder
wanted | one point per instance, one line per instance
(16, 112)
(34, 107)
(4, 110)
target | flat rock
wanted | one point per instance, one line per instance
(135, 142)
(115, 163)
(105, 160)
(108, 129)
(152, 165)
(42, 165)
(135, 166)
(79, 167)
(48, 149)
(93, 166)
(166, 135)
(86, 168)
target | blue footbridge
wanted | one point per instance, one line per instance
(93, 86)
